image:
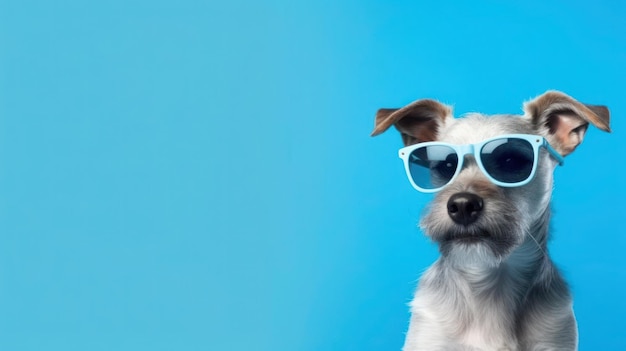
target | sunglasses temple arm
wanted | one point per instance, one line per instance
(553, 152)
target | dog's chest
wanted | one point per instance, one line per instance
(480, 337)
(474, 315)
(465, 324)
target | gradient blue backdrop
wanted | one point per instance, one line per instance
(198, 175)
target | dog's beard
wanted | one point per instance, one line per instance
(475, 246)
(470, 255)
(488, 241)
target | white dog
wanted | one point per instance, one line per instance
(494, 286)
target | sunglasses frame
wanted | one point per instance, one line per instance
(535, 141)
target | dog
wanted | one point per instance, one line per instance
(494, 286)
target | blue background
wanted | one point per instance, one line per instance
(199, 175)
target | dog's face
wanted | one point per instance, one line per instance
(472, 219)
(496, 219)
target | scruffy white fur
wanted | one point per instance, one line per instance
(502, 291)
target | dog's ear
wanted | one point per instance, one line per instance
(563, 120)
(417, 122)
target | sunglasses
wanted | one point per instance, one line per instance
(506, 160)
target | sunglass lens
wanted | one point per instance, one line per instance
(508, 160)
(432, 167)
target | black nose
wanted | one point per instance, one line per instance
(465, 208)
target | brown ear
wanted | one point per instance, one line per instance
(416, 122)
(563, 120)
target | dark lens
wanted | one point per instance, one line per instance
(508, 160)
(433, 166)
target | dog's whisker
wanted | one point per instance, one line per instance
(532, 237)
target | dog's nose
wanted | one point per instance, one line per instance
(465, 208)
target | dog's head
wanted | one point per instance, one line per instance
(472, 218)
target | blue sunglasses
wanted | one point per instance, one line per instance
(507, 161)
